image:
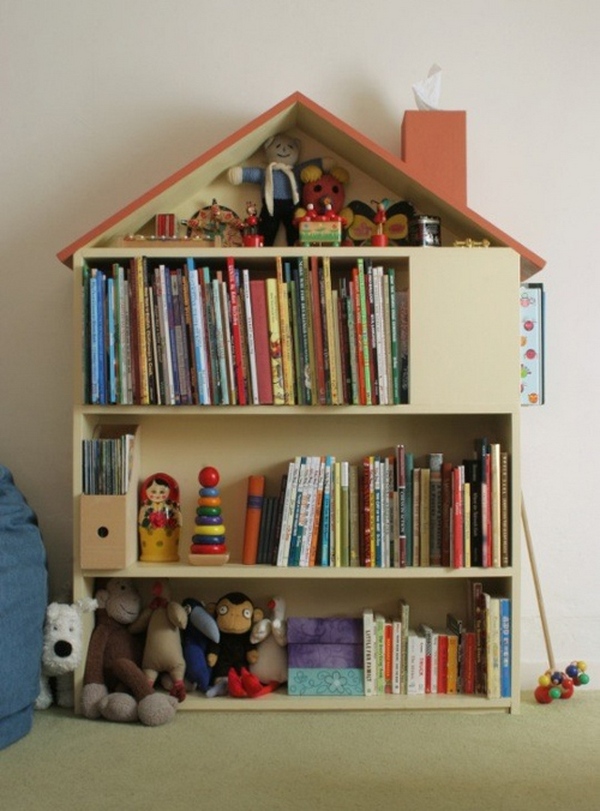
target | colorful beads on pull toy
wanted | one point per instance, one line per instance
(208, 546)
(553, 684)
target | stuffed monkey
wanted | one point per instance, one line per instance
(235, 614)
(115, 686)
(162, 620)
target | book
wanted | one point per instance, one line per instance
(532, 328)
(442, 662)
(258, 295)
(505, 647)
(457, 530)
(478, 608)
(317, 303)
(289, 504)
(369, 652)
(287, 353)
(324, 555)
(227, 339)
(436, 461)
(329, 332)
(223, 388)
(468, 664)
(495, 498)
(425, 516)
(403, 303)
(404, 617)
(505, 551)
(254, 390)
(426, 631)
(493, 645)
(446, 516)
(306, 372)
(452, 663)
(254, 504)
(198, 334)
(415, 663)
(396, 656)
(236, 334)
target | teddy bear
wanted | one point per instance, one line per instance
(162, 620)
(235, 615)
(115, 686)
(280, 184)
(62, 651)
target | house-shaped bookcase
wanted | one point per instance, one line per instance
(431, 174)
(452, 359)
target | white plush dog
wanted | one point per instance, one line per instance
(62, 651)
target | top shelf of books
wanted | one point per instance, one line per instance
(299, 328)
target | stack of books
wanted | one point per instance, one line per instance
(385, 511)
(468, 658)
(182, 335)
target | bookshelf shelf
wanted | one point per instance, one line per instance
(462, 383)
(280, 701)
(239, 572)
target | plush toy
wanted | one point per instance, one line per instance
(235, 615)
(271, 668)
(280, 184)
(115, 686)
(62, 651)
(322, 189)
(201, 628)
(162, 621)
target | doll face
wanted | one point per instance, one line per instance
(282, 149)
(158, 493)
(327, 189)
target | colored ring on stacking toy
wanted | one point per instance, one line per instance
(209, 501)
(208, 549)
(216, 530)
(208, 511)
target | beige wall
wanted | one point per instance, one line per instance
(102, 99)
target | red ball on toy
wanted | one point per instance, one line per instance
(542, 695)
(209, 477)
(567, 687)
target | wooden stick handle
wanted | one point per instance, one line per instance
(536, 582)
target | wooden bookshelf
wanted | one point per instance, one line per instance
(463, 384)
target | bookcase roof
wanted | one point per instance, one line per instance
(437, 189)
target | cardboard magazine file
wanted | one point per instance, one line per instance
(108, 524)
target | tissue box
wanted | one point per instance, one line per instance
(325, 656)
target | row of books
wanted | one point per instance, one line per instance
(106, 465)
(155, 334)
(385, 511)
(461, 658)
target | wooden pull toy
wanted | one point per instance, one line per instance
(553, 683)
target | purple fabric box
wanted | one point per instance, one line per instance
(325, 630)
(325, 656)
(309, 654)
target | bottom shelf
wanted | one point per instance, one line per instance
(281, 701)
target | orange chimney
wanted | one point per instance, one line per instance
(434, 147)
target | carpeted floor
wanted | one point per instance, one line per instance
(547, 757)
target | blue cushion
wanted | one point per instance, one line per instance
(23, 600)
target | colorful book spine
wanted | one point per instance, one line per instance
(236, 334)
(275, 352)
(287, 354)
(261, 341)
